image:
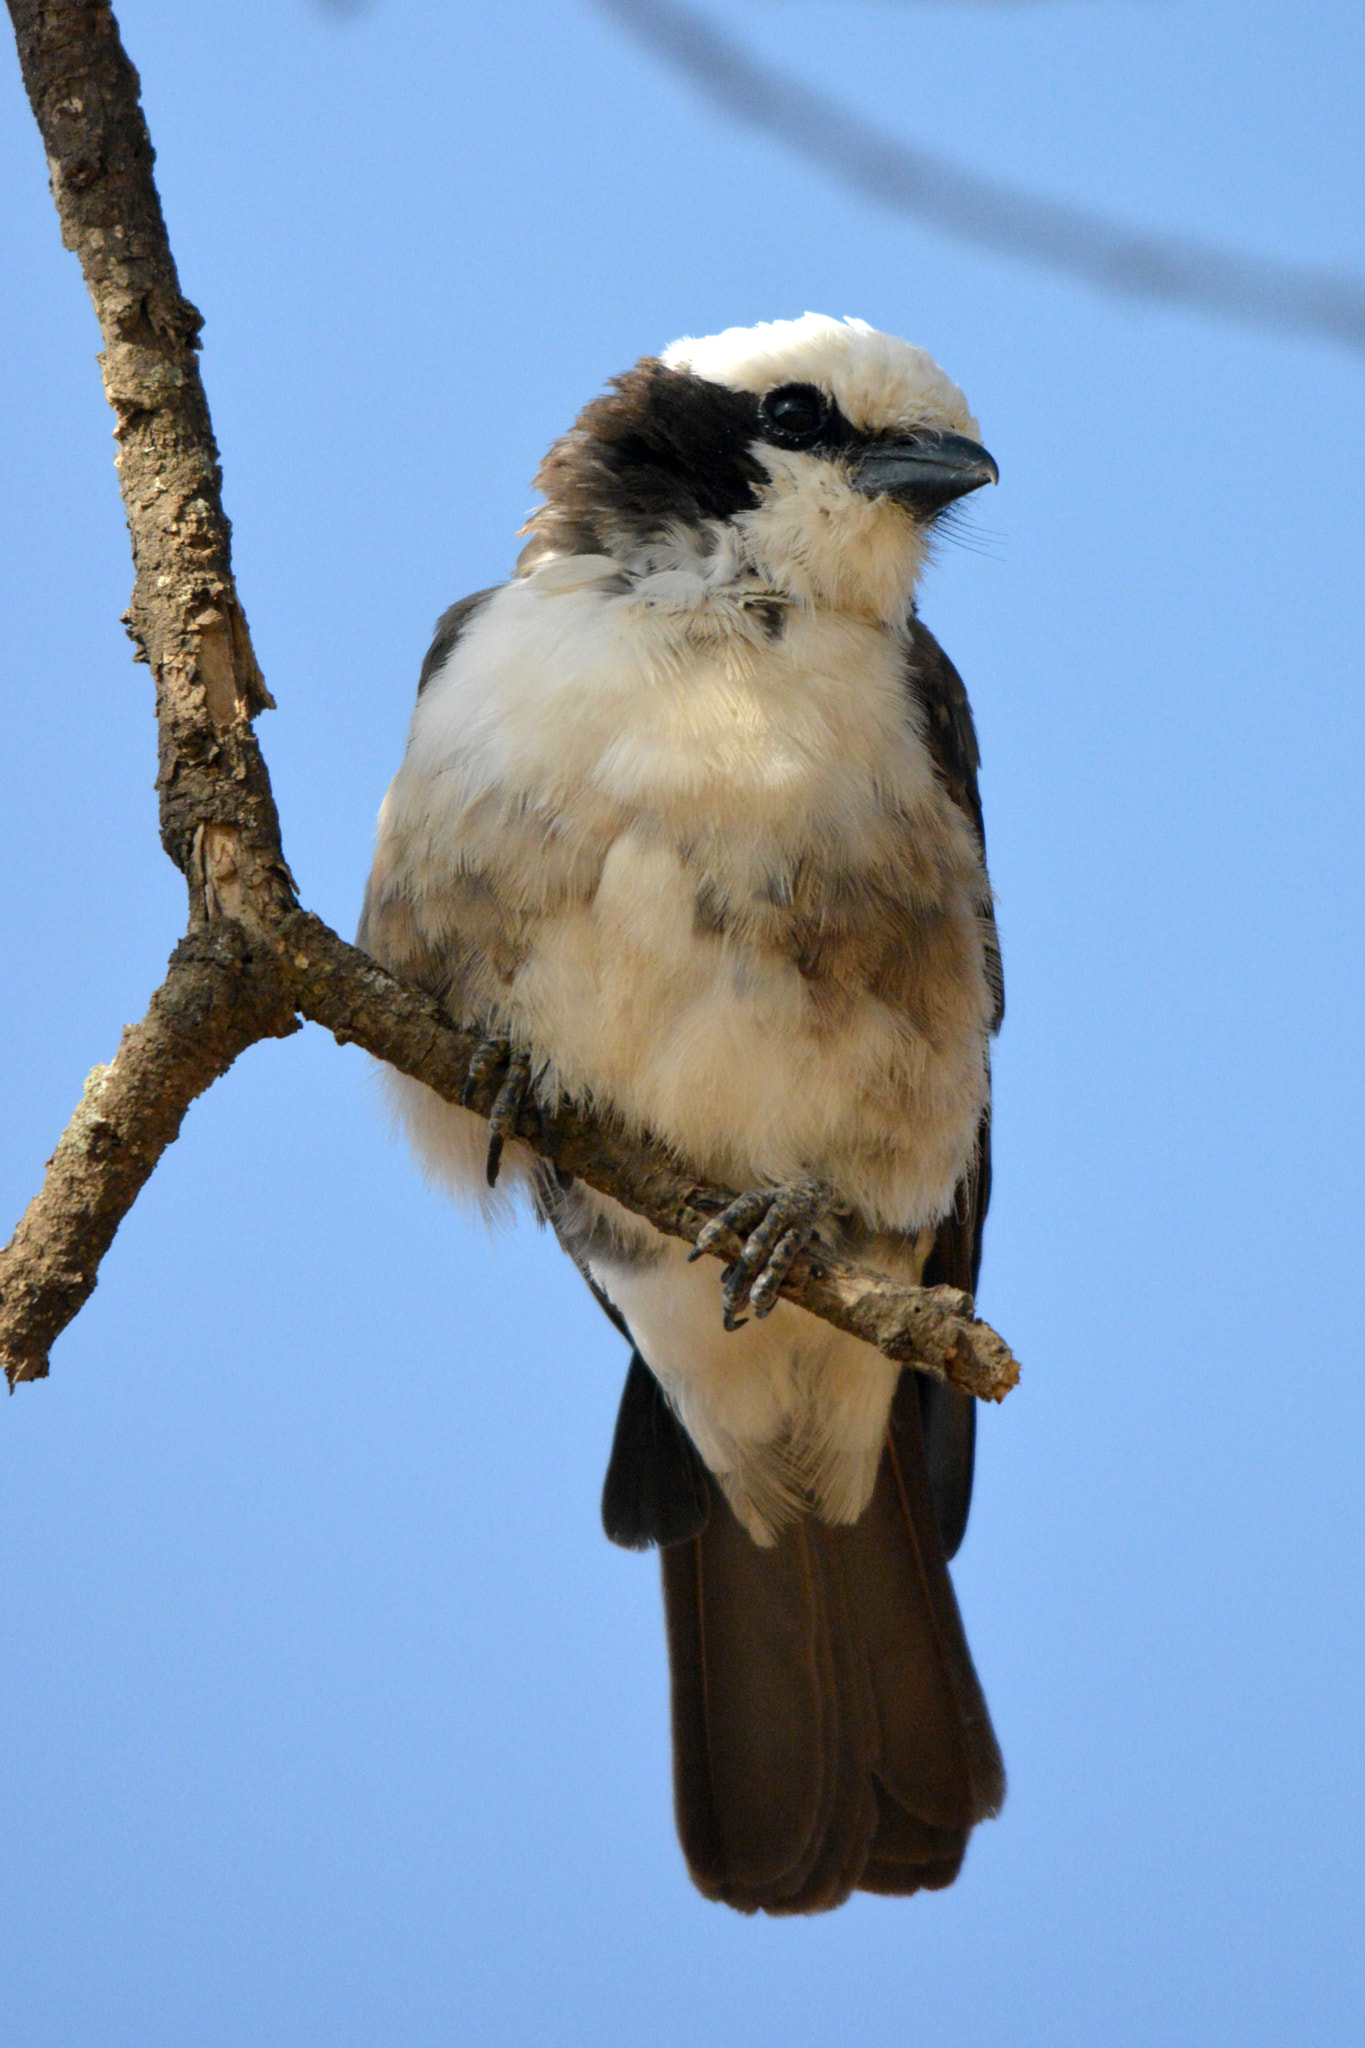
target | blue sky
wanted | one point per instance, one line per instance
(331, 1717)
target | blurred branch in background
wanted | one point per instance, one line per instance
(1178, 269)
(919, 3)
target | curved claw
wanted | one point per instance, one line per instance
(776, 1224)
(489, 1055)
(502, 1119)
(492, 1055)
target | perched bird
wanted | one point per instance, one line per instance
(688, 826)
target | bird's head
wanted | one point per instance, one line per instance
(819, 450)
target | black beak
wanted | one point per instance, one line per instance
(925, 472)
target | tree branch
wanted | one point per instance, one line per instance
(253, 962)
(218, 819)
(217, 999)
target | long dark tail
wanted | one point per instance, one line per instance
(829, 1731)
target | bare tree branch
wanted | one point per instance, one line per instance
(253, 962)
(185, 618)
(217, 999)
(1176, 268)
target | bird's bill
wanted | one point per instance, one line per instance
(926, 471)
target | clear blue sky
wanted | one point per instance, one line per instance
(330, 1718)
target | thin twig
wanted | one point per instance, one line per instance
(253, 962)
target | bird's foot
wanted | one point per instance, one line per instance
(494, 1056)
(776, 1224)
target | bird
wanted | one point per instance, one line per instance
(688, 830)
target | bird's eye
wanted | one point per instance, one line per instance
(794, 414)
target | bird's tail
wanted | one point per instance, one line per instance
(829, 1731)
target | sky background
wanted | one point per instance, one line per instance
(330, 1718)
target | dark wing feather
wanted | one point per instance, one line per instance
(449, 627)
(948, 1418)
(950, 737)
(655, 1490)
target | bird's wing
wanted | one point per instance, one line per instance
(948, 1417)
(950, 735)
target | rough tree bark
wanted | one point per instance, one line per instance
(253, 963)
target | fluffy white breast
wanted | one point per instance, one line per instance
(579, 696)
(604, 763)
